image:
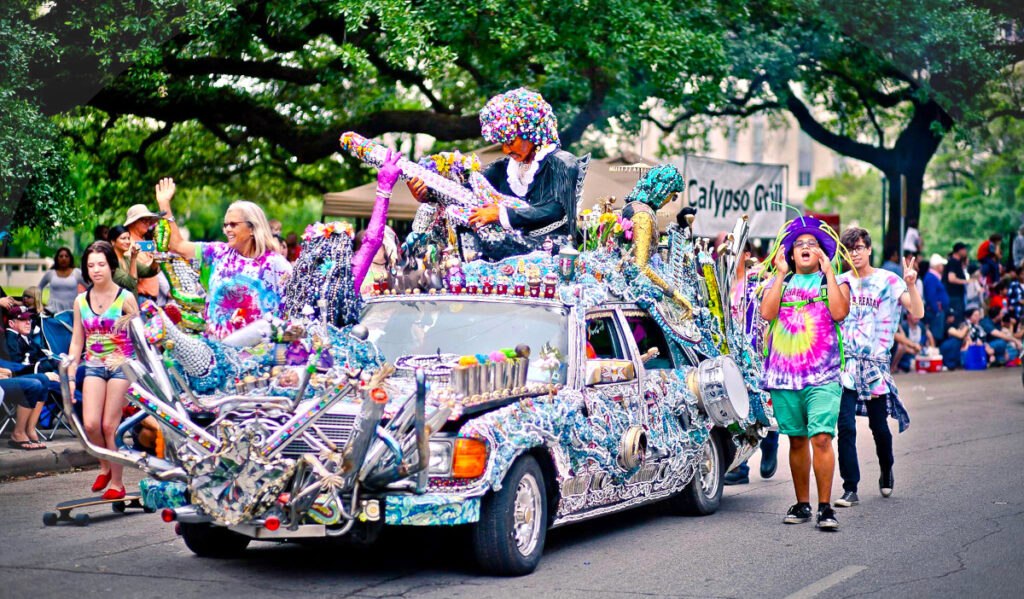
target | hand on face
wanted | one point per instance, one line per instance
(780, 263)
(823, 261)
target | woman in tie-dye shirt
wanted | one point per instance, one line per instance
(803, 356)
(100, 329)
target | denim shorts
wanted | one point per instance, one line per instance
(104, 373)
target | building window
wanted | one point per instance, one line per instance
(803, 178)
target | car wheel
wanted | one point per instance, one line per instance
(206, 540)
(509, 538)
(703, 494)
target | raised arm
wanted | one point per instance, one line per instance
(177, 244)
(374, 237)
(910, 298)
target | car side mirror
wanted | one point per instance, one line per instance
(609, 371)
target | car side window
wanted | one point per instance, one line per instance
(648, 335)
(603, 341)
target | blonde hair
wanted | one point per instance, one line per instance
(33, 292)
(257, 219)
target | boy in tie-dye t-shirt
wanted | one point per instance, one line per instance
(802, 358)
(876, 297)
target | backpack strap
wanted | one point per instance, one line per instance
(822, 297)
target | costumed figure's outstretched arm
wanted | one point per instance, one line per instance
(374, 237)
(644, 232)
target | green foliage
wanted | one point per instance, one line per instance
(979, 175)
(33, 173)
(855, 198)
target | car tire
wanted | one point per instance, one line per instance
(703, 494)
(509, 538)
(206, 540)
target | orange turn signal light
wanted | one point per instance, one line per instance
(469, 459)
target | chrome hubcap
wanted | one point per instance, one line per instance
(526, 516)
(708, 469)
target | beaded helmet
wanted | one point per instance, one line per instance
(656, 185)
(324, 271)
(519, 113)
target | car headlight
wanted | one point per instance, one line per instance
(440, 458)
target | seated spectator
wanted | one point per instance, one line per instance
(997, 297)
(20, 383)
(958, 337)
(976, 292)
(892, 261)
(1004, 346)
(31, 299)
(22, 347)
(911, 339)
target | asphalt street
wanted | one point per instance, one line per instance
(953, 528)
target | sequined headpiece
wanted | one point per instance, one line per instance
(519, 113)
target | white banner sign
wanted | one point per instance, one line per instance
(723, 191)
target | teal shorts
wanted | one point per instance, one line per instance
(809, 411)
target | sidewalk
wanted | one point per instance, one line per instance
(61, 455)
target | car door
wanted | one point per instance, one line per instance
(611, 389)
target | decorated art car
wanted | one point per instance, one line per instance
(521, 394)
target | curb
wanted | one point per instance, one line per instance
(58, 457)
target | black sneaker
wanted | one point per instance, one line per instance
(886, 482)
(735, 478)
(827, 519)
(798, 514)
(849, 498)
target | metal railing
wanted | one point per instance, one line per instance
(23, 272)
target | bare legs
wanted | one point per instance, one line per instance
(824, 463)
(102, 403)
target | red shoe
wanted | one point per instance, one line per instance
(101, 481)
(114, 494)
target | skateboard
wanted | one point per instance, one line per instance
(130, 500)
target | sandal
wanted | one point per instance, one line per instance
(38, 443)
(27, 445)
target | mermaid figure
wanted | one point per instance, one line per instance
(653, 191)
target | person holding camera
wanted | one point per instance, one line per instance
(139, 222)
(129, 273)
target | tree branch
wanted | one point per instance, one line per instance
(880, 157)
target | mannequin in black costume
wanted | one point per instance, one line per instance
(534, 169)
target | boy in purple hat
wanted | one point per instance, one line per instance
(876, 297)
(804, 303)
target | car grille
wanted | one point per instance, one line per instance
(337, 427)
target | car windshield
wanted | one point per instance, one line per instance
(451, 326)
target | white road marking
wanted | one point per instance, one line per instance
(816, 588)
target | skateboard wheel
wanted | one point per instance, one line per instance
(49, 518)
(82, 519)
(118, 507)
(148, 510)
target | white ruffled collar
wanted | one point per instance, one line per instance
(520, 179)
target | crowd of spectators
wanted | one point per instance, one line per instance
(972, 306)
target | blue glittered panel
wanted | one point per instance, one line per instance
(430, 510)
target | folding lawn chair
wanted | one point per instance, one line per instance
(56, 341)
